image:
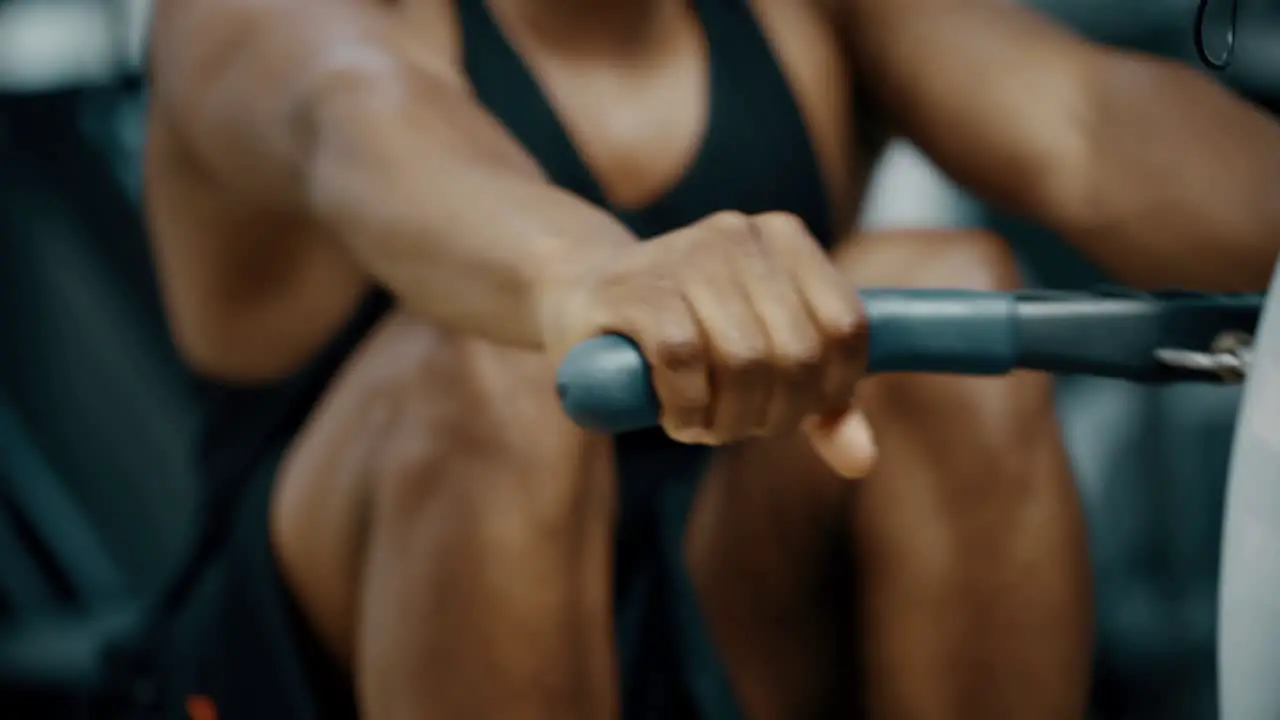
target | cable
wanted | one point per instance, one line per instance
(1228, 54)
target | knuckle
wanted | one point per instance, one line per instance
(744, 359)
(842, 331)
(782, 226)
(679, 352)
(640, 291)
(801, 358)
(845, 324)
(685, 399)
(749, 254)
(730, 222)
(652, 310)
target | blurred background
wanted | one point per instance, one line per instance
(96, 414)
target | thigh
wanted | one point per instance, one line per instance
(974, 582)
(781, 549)
(958, 448)
(438, 506)
(766, 549)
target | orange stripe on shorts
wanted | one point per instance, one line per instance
(201, 707)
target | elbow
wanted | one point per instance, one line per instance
(1066, 198)
(1054, 157)
(348, 128)
(1067, 188)
(1164, 179)
(1106, 152)
(353, 182)
(333, 142)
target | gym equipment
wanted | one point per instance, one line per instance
(64, 600)
(95, 410)
(1249, 609)
(1223, 61)
(120, 252)
(604, 383)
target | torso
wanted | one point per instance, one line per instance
(253, 293)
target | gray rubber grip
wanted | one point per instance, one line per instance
(604, 383)
(966, 332)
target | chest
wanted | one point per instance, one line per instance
(737, 102)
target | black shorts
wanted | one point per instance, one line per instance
(231, 642)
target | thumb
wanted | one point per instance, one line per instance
(844, 441)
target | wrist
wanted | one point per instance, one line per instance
(561, 282)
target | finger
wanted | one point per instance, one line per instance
(832, 302)
(674, 346)
(738, 350)
(796, 348)
(845, 442)
(843, 364)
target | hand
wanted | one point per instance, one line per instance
(746, 325)
(844, 441)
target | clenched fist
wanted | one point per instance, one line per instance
(748, 329)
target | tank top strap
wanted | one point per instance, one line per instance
(504, 83)
(753, 99)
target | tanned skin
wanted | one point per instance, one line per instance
(448, 532)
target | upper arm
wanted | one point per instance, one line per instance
(234, 80)
(1153, 170)
(992, 91)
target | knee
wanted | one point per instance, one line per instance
(502, 470)
(997, 435)
(980, 430)
(976, 260)
(967, 259)
(969, 468)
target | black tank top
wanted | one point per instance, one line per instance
(755, 157)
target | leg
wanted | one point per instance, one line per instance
(967, 554)
(968, 537)
(448, 533)
(767, 549)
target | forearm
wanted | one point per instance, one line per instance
(445, 210)
(1182, 181)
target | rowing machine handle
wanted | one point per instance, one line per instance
(604, 383)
